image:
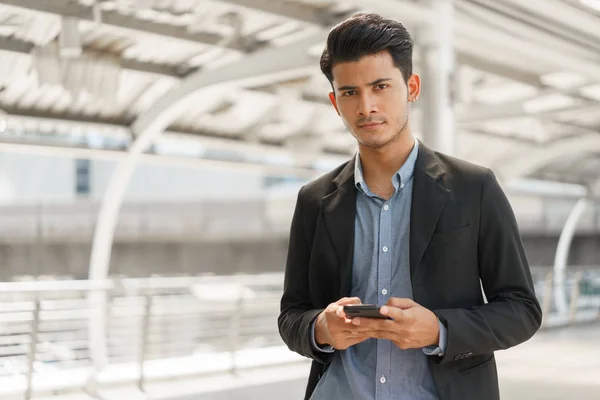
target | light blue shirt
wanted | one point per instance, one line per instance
(377, 369)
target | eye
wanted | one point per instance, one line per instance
(350, 93)
(382, 86)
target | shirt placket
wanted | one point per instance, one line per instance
(384, 273)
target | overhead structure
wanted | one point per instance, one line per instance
(515, 85)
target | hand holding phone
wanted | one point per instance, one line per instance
(333, 327)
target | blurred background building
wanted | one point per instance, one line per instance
(151, 152)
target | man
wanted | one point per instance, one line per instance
(406, 227)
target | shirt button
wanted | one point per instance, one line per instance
(386, 207)
(382, 379)
(385, 249)
(402, 186)
(384, 291)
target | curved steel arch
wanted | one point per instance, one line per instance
(266, 66)
(562, 255)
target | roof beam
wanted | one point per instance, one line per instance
(494, 68)
(294, 11)
(117, 121)
(477, 113)
(325, 16)
(15, 45)
(113, 18)
(405, 11)
(153, 68)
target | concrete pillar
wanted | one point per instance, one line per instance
(436, 44)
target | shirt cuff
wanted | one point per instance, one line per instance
(325, 348)
(440, 349)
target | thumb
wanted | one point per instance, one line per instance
(401, 303)
(348, 300)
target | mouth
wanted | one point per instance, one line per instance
(370, 126)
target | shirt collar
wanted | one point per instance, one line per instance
(403, 175)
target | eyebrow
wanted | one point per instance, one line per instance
(377, 82)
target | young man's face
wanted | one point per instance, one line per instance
(372, 98)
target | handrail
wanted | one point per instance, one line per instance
(157, 321)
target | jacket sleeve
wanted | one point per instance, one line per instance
(512, 314)
(297, 312)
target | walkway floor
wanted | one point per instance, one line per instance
(555, 365)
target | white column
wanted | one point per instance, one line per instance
(436, 44)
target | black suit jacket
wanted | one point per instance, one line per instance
(462, 230)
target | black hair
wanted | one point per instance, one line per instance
(367, 34)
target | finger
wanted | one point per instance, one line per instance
(401, 303)
(348, 300)
(373, 324)
(394, 313)
(340, 314)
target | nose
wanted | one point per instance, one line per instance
(366, 105)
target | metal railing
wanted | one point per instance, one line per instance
(161, 328)
(582, 290)
(201, 321)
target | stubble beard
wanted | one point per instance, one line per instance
(377, 146)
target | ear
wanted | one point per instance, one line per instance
(414, 87)
(334, 102)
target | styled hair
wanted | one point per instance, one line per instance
(367, 34)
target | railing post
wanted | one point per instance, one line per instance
(547, 302)
(145, 340)
(574, 297)
(32, 348)
(98, 298)
(234, 329)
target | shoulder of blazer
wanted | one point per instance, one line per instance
(313, 192)
(461, 173)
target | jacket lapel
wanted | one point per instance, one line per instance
(428, 200)
(339, 210)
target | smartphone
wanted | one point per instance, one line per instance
(364, 311)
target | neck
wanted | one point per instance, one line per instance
(382, 163)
